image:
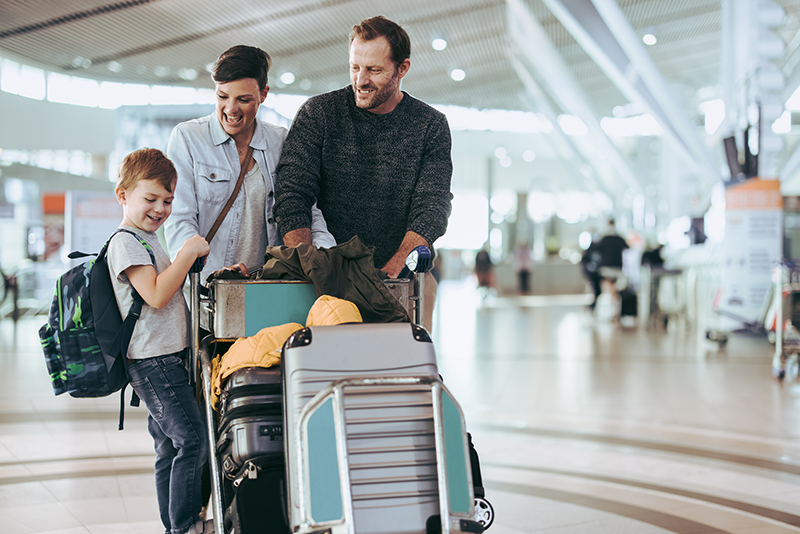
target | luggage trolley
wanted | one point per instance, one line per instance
(371, 442)
(786, 311)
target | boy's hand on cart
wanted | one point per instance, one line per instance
(197, 245)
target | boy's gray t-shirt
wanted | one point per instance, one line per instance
(158, 331)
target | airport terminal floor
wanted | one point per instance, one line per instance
(582, 426)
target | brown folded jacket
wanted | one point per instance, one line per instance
(345, 271)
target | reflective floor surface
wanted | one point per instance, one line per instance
(582, 426)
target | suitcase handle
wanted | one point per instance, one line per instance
(223, 440)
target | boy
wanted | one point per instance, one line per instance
(156, 354)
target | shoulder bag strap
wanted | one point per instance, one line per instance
(226, 209)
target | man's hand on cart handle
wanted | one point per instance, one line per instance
(418, 261)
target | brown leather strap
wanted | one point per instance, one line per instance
(227, 208)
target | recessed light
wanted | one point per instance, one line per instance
(458, 74)
(287, 78)
(529, 155)
(187, 74)
(500, 152)
(649, 36)
(439, 44)
(113, 66)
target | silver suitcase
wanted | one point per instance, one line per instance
(377, 443)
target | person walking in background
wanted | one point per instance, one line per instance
(611, 248)
(590, 265)
(522, 261)
(484, 269)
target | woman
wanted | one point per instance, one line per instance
(210, 152)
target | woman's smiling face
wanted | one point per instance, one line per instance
(237, 105)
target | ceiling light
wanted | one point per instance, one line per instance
(210, 68)
(500, 152)
(506, 161)
(82, 62)
(649, 36)
(287, 78)
(305, 84)
(161, 71)
(529, 155)
(439, 44)
(187, 74)
(113, 66)
(458, 74)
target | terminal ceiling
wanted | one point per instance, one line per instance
(172, 42)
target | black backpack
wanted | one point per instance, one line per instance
(85, 341)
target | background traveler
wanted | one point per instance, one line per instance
(611, 247)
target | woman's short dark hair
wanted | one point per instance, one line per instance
(242, 61)
(399, 42)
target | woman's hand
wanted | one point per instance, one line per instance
(241, 267)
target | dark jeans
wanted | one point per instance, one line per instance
(176, 424)
(595, 279)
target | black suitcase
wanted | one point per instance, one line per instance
(250, 451)
(259, 504)
(251, 420)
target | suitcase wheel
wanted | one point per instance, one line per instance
(484, 512)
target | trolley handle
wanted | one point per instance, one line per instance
(418, 261)
(198, 265)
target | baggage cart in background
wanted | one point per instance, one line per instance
(784, 318)
(662, 296)
(403, 459)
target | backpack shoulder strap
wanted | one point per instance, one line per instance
(123, 339)
(141, 240)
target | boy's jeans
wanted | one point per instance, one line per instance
(179, 432)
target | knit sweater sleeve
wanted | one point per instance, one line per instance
(431, 200)
(298, 171)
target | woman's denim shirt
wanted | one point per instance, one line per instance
(208, 167)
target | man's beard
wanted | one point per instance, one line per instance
(380, 96)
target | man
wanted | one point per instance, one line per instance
(611, 248)
(375, 159)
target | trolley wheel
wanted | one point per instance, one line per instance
(484, 512)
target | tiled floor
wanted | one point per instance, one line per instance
(582, 427)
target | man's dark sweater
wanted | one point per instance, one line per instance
(375, 176)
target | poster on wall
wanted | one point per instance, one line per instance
(753, 244)
(90, 217)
